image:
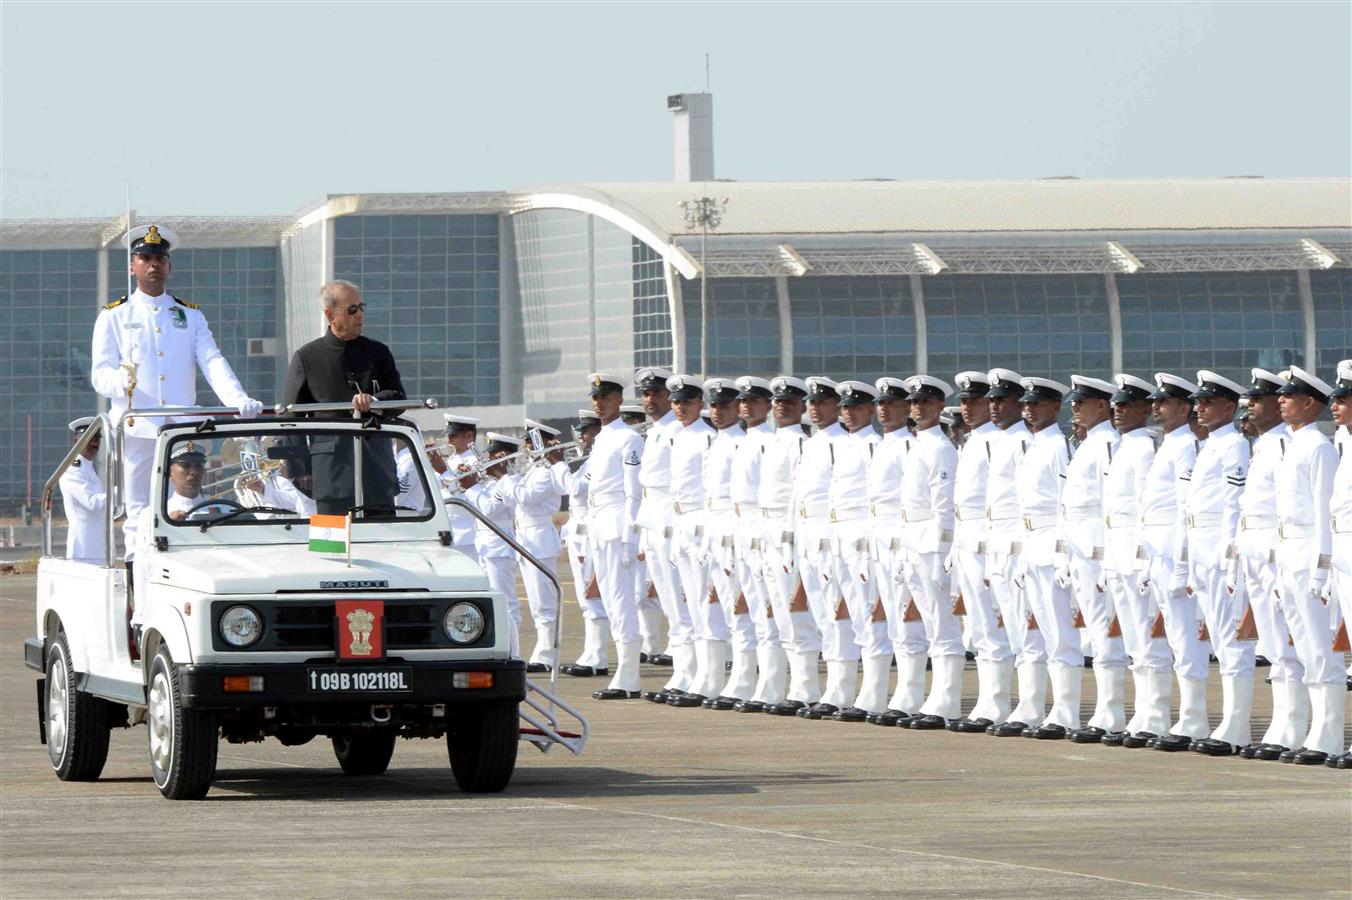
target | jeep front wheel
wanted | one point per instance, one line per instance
(364, 752)
(482, 746)
(77, 723)
(183, 742)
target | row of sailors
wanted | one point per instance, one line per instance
(775, 549)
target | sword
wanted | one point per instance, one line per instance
(131, 389)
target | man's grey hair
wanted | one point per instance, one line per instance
(331, 293)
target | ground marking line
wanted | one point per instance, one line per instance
(926, 854)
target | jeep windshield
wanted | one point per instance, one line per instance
(283, 475)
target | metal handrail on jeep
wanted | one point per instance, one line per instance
(100, 427)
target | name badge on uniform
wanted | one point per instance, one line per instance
(178, 317)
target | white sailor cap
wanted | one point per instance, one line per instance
(603, 383)
(890, 388)
(972, 385)
(819, 387)
(685, 387)
(1085, 388)
(188, 452)
(150, 240)
(786, 387)
(651, 378)
(79, 425)
(1212, 385)
(545, 429)
(1035, 389)
(1004, 383)
(1167, 385)
(1263, 383)
(1343, 388)
(459, 423)
(1131, 389)
(750, 387)
(951, 415)
(497, 441)
(856, 393)
(720, 390)
(629, 410)
(587, 417)
(1307, 383)
(927, 387)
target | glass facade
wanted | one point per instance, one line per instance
(238, 291)
(48, 303)
(852, 327)
(743, 326)
(431, 286)
(1332, 293)
(652, 309)
(1225, 322)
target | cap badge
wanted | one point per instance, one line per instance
(152, 236)
(596, 380)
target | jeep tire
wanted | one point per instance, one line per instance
(482, 746)
(77, 723)
(365, 752)
(183, 742)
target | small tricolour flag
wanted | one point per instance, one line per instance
(329, 534)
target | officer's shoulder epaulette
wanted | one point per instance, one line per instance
(116, 303)
(181, 302)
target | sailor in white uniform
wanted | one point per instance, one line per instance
(652, 635)
(150, 345)
(463, 455)
(411, 493)
(1082, 530)
(85, 501)
(539, 494)
(1340, 514)
(928, 518)
(495, 497)
(594, 659)
(613, 497)
(1305, 488)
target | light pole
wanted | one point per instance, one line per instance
(706, 213)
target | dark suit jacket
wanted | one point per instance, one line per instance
(331, 370)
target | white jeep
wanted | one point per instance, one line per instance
(240, 630)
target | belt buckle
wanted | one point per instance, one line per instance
(833, 515)
(802, 510)
(1027, 523)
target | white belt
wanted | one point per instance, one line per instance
(815, 510)
(970, 513)
(881, 510)
(1254, 523)
(683, 509)
(1114, 523)
(1033, 523)
(1341, 526)
(917, 515)
(719, 505)
(1165, 522)
(1082, 513)
(849, 515)
(1007, 515)
(534, 521)
(1204, 520)
(745, 510)
(605, 498)
(1295, 530)
(656, 492)
(774, 512)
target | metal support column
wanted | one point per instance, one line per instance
(785, 325)
(921, 330)
(1114, 321)
(1307, 310)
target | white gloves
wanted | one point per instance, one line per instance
(250, 408)
(126, 378)
(1178, 580)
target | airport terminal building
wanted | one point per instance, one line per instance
(500, 304)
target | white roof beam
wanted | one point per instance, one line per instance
(793, 261)
(1321, 256)
(1124, 258)
(929, 259)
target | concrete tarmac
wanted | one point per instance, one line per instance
(674, 803)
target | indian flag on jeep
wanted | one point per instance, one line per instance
(330, 534)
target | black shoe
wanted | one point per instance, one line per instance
(889, 718)
(786, 708)
(580, 671)
(850, 714)
(1339, 762)
(818, 711)
(1172, 743)
(1269, 752)
(1048, 731)
(1248, 751)
(536, 667)
(1213, 747)
(749, 706)
(1289, 755)
(1113, 739)
(1138, 740)
(1310, 758)
(644, 658)
(661, 696)
(687, 701)
(971, 657)
(1089, 662)
(721, 703)
(615, 694)
(660, 659)
(970, 726)
(1007, 729)
(1089, 734)
(927, 723)
(1262, 662)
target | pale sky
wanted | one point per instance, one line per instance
(260, 108)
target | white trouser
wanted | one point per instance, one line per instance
(657, 550)
(1222, 612)
(1136, 614)
(813, 548)
(1309, 621)
(929, 586)
(1055, 613)
(990, 641)
(797, 630)
(889, 575)
(501, 572)
(1097, 609)
(723, 618)
(756, 583)
(649, 608)
(688, 554)
(1028, 646)
(579, 560)
(1180, 623)
(540, 594)
(853, 577)
(1259, 583)
(138, 457)
(613, 561)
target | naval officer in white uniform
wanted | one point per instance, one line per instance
(85, 501)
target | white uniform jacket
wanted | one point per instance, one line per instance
(1040, 477)
(1004, 526)
(1082, 494)
(613, 492)
(1165, 484)
(927, 491)
(654, 473)
(970, 487)
(1123, 485)
(85, 501)
(1212, 500)
(1258, 503)
(1304, 489)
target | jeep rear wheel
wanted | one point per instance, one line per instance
(77, 723)
(482, 747)
(183, 742)
(365, 752)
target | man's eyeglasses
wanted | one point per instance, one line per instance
(356, 308)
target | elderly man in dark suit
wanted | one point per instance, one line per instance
(339, 367)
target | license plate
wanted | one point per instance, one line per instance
(359, 681)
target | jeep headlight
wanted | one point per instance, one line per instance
(240, 626)
(463, 622)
